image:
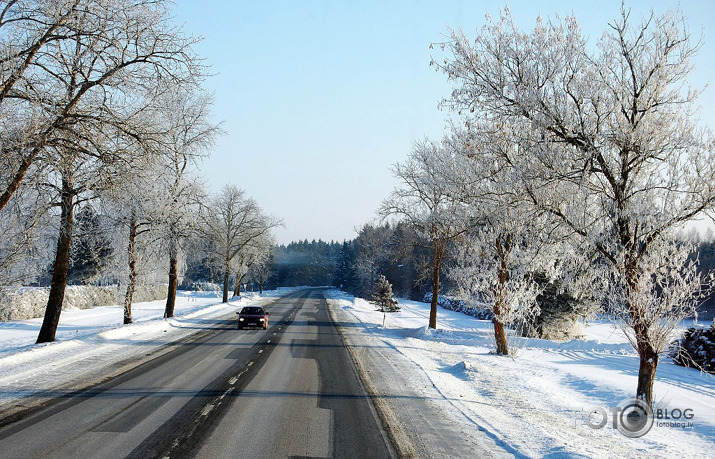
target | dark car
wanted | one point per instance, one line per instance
(253, 316)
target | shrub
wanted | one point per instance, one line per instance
(696, 349)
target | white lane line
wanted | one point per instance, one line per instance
(260, 351)
(250, 364)
(207, 409)
(233, 380)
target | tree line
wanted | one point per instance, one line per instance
(395, 251)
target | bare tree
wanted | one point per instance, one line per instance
(186, 140)
(511, 242)
(79, 173)
(250, 256)
(231, 223)
(134, 206)
(428, 202)
(608, 143)
(263, 270)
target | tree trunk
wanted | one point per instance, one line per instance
(646, 375)
(237, 290)
(437, 252)
(260, 288)
(226, 278)
(131, 249)
(647, 354)
(60, 266)
(502, 347)
(173, 281)
(500, 334)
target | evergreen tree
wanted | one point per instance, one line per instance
(382, 295)
(91, 248)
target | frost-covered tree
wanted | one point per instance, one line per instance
(79, 61)
(231, 223)
(188, 135)
(134, 205)
(372, 252)
(256, 252)
(263, 270)
(608, 143)
(428, 202)
(514, 250)
(89, 95)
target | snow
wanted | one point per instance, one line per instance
(452, 396)
(534, 404)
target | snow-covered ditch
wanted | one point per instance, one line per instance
(532, 406)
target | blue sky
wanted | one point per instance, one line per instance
(319, 99)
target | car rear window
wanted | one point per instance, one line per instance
(249, 310)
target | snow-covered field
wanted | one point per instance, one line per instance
(534, 405)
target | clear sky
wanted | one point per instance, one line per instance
(319, 99)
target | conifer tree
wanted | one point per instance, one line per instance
(382, 296)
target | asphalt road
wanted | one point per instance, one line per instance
(289, 391)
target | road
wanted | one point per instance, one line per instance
(289, 391)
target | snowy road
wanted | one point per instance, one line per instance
(289, 391)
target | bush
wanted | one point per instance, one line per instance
(30, 302)
(696, 349)
(201, 286)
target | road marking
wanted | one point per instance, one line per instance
(250, 364)
(269, 342)
(260, 351)
(233, 380)
(207, 409)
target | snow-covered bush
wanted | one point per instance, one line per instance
(202, 286)
(454, 304)
(25, 303)
(696, 349)
(29, 303)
